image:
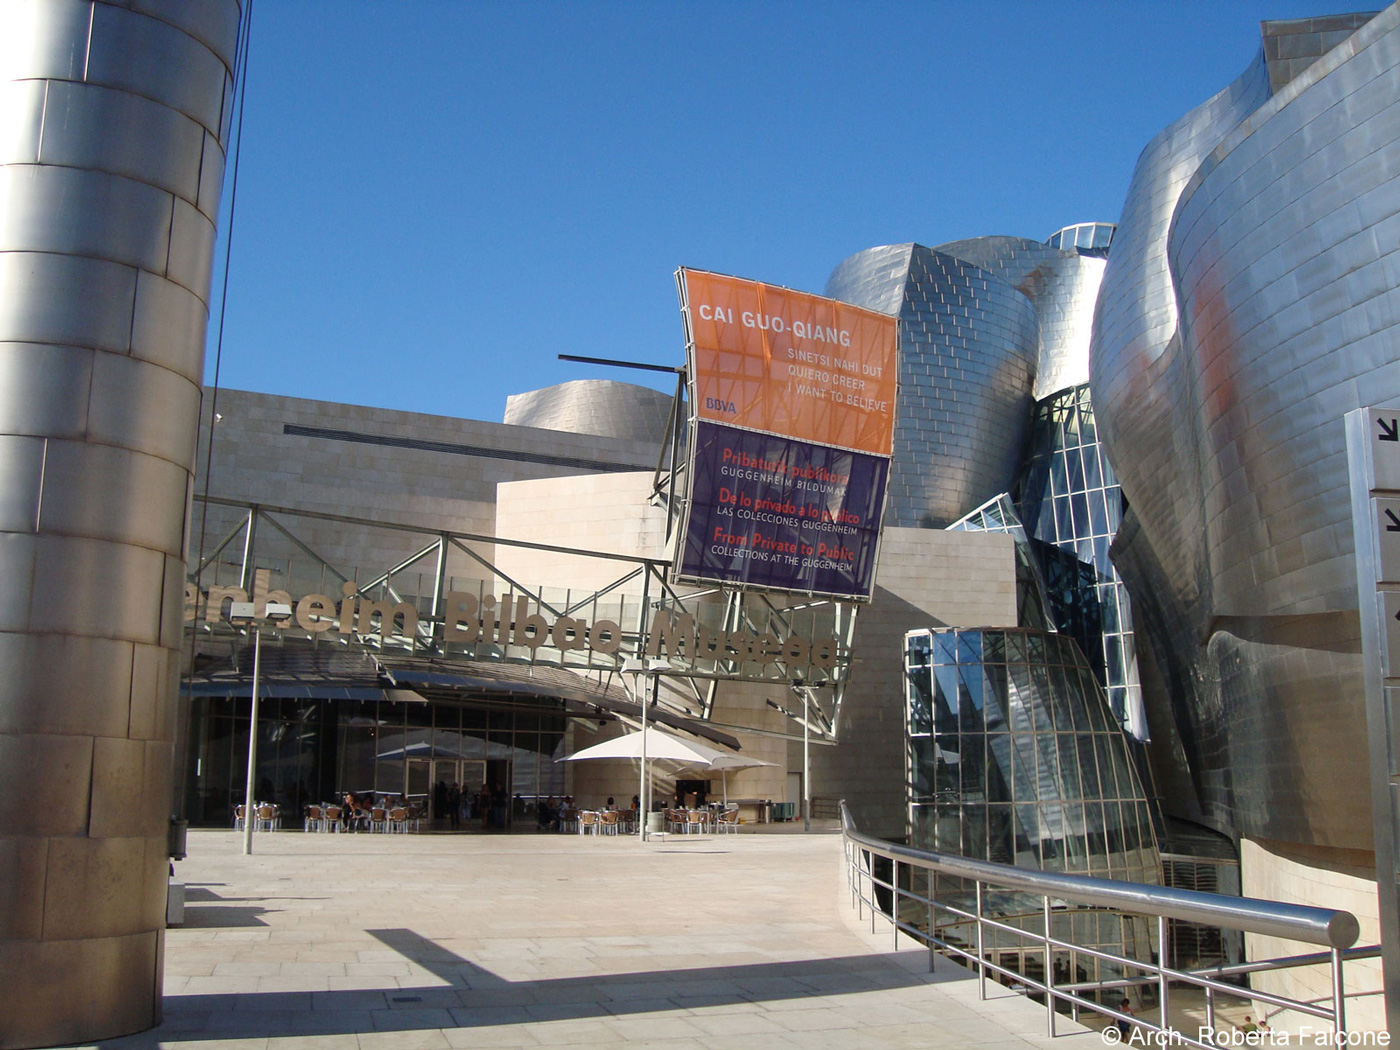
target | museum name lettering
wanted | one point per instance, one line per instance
(468, 619)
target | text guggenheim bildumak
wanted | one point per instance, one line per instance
(468, 619)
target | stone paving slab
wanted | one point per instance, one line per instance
(374, 942)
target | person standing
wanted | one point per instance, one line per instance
(454, 805)
(1124, 1026)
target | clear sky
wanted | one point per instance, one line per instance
(435, 199)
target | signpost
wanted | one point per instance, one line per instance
(1373, 456)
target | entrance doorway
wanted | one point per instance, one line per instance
(422, 775)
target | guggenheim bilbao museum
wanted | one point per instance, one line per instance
(1035, 551)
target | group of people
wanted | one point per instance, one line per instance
(548, 812)
(357, 808)
(459, 806)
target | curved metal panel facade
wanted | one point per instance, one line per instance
(1136, 382)
(593, 406)
(968, 347)
(1257, 303)
(111, 160)
(1062, 285)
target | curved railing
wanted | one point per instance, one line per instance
(1335, 931)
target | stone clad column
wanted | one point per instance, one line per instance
(113, 119)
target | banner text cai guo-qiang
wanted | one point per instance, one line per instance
(793, 402)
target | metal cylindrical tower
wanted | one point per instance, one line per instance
(113, 120)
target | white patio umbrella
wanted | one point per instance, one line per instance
(726, 761)
(667, 747)
(658, 745)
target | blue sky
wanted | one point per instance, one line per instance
(436, 199)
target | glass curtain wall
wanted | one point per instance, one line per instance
(1015, 758)
(314, 751)
(1070, 499)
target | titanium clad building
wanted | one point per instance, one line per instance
(1252, 299)
(113, 120)
(968, 350)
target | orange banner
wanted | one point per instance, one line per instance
(789, 363)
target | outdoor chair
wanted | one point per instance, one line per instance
(587, 822)
(608, 823)
(728, 821)
(378, 819)
(568, 820)
(398, 820)
(237, 818)
(331, 818)
(267, 819)
(315, 817)
(697, 822)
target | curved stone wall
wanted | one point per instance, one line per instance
(112, 123)
(968, 347)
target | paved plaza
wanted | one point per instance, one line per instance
(693, 943)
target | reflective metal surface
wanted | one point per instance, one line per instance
(593, 406)
(956, 906)
(149, 56)
(1062, 285)
(145, 408)
(105, 130)
(84, 495)
(52, 209)
(1251, 300)
(965, 388)
(167, 328)
(110, 164)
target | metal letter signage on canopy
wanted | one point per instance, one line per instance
(792, 402)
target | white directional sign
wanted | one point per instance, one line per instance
(1392, 705)
(1390, 613)
(1385, 449)
(1386, 514)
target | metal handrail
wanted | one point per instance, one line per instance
(1334, 929)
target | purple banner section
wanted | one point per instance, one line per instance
(767, 511)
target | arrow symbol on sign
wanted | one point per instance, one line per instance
(1394, 525)
(1390, 429)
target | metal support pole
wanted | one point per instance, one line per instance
(1049, 971)
(643, 796)
(1339, 1002)
(439, 576)
(853, 873)
(245, 574)
(870, 877)
(894, 901)
(806, 764)
(928, 894)
(981, 953)
(655, 690)
(1165, 1018)
(249, 817)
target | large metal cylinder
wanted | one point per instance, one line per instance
(113, 122)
